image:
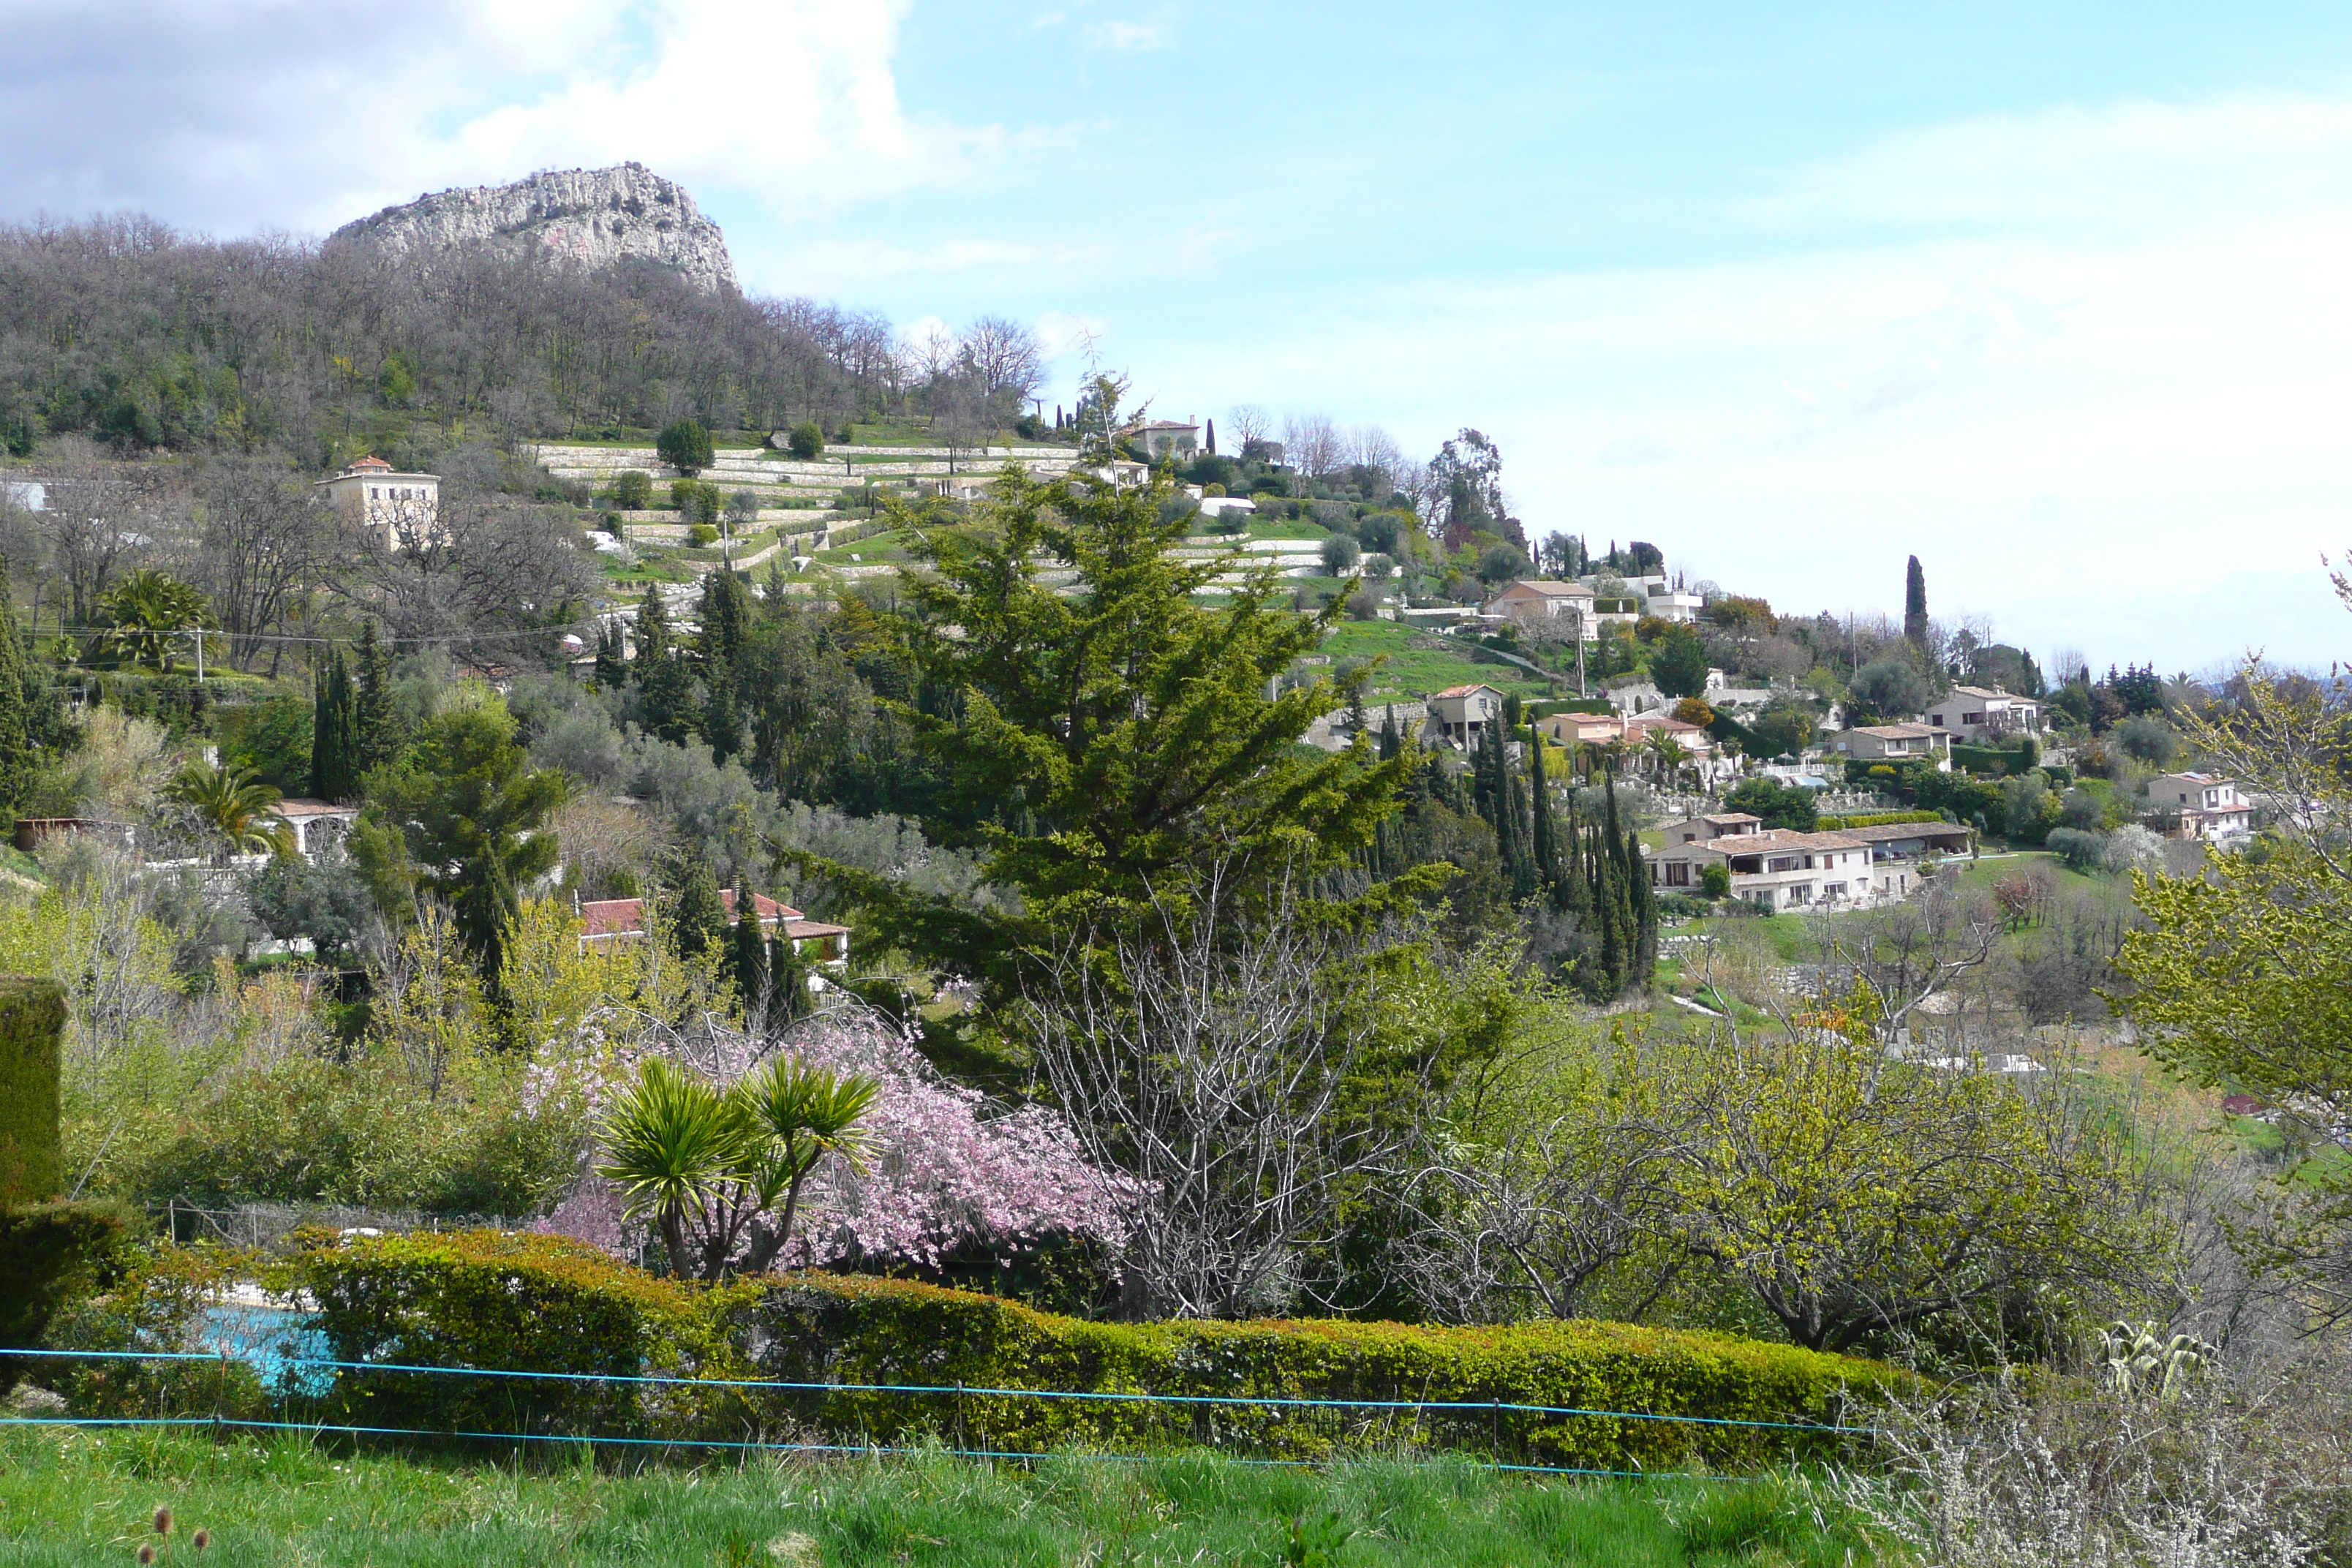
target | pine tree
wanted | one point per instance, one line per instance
(16, 741)
(700, 920)
(748, 961)
(1914, 605)
(334, 734)
(375, 722)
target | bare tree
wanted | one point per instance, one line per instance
(99, 516)
(1313, 445)
(1003, 356)
(260, 543)
(1246, 422)
(1209, 1066)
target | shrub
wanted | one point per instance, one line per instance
(1340, 553)
(32, 1024)
(537, 1303)
(533, 1303)
(633, 490)
(2082, 851)
(684, 446)
(49, 1252)
(1715, 879)
(702, 533)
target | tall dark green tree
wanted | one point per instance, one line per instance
(1130, 720)
(334, 733)
(612, 658)
(665, 687)
(719, 651)
(699, 919)
(1679, 663)
(747, 959)
(1914, 605)
(375, 723)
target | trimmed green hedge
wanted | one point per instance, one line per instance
(32, 1023)
(538, 1303)
(1879, 819)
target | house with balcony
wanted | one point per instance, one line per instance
(1895, 744)
(1973, 714)
(405, 508)
(2210, 808)
(1461, 714)
(1770, 868)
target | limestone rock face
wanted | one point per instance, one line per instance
(596, 218)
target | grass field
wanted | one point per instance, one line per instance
(1408, 671)
(78, 1498)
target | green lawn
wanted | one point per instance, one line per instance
(1409, 672)
(78, 1498)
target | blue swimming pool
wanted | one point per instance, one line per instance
(276, 1341)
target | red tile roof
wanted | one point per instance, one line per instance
(626, 916)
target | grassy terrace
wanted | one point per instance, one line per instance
(78, 1499)
(1408, 671)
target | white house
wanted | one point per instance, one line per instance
(2210, 808)
(1984, 713)
(407, 507)
(1772, 868)
(316, 823)
(1461, 714)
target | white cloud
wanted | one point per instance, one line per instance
(1129, 37)
(245, 113)
(1060, 334)
(1828, 411)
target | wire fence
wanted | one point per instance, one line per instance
(317, 1395)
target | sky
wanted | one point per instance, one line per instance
(2056, 297)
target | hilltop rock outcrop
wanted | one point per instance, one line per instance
(596, 218)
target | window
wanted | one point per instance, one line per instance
(375, 493)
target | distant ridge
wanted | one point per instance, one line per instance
(596, 218)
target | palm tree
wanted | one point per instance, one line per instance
(141, 616)
(709, 1166)
(235, 805)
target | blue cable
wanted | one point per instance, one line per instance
(960, 1390)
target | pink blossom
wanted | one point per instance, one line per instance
(944, 1169)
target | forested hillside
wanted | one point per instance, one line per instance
(127, 332)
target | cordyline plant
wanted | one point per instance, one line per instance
(711, 1166)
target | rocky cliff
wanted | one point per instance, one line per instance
(594, 217)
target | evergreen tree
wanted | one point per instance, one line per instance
(1914, 605)
(788, 991)
(1543, 845)
(726, 620)
(748, 961)
(664, 688)
(16, 758)
(334, 733)
(1391, 742)
(700, 920)
(612, 658)
(1066, 657)
(375, 723)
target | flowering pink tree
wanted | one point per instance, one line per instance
(944, 1170)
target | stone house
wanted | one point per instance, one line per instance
(1984, 713)
(2210, 808)
(1895, 744)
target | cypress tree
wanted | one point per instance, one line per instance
(662, 687)
(1391, 742)
(375, 724)
(1543, 844)
(700, 920)
(334, 733)
(16, 737)
(726, 620)
(748, 963)
(1914, 605)
(788, 992)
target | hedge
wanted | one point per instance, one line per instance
(1879, 819)
(542, 1304)
(32, 1023)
